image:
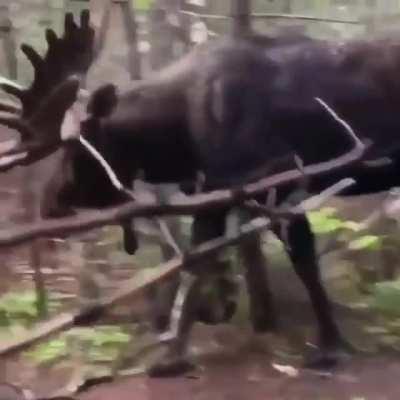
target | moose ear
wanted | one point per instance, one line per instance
(103, 101)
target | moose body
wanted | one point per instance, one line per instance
(232, 107)
(238, 109)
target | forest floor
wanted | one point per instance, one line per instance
(235, 364)
(246, 375)
(240, 366)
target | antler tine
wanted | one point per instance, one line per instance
(53, 91)
(14, 122)
(52, 111)
(85, 19)
(8, 107)
(33, 56)
(13, 152)
(70, 54)
(12, 90)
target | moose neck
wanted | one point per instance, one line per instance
(152, 138)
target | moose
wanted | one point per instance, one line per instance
(235, 109)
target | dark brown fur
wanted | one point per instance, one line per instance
(235, 106)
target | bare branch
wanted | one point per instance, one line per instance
(307, 205)
(188, 206)
(94, 219)
(187, 281)
(169, 237)
(106, 166)
(130, 289)
(341, 121)
(274, 16)
(318, 201)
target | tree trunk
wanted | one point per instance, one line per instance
(240, 11)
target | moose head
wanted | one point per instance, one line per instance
(50, 118)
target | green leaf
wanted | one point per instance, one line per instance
(20, 308)
(324, 220)
(386, 297)
(329, 225)
(366, 242)
(100, 344)
(142, 4)
(49, 352)
(352, 226)
(19, 304)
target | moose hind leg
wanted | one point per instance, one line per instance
(207, 226)
(300, 243)
(262, 311)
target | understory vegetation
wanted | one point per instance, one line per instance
(348, 251)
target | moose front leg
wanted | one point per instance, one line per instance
(175, 361)
(206, 226)
(300, 244)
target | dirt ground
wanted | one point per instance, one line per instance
(251, 377)
(246, 372)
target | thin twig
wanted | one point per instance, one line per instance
(222, 198)
(187, 281)
(318, 201)
(169, 237)
(106, 166)
(274, 16)
(305, 206)
(190, 205)
(109, 171)
(341, 121)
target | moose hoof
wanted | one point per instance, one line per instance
(161, 323)
(263, 323)
(327, 358)
(213, 316)
(170, 368)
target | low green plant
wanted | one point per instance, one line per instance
(94, 344)
(142, 4)
(352, 234)
(20, 308)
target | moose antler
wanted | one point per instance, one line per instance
(54, 89)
